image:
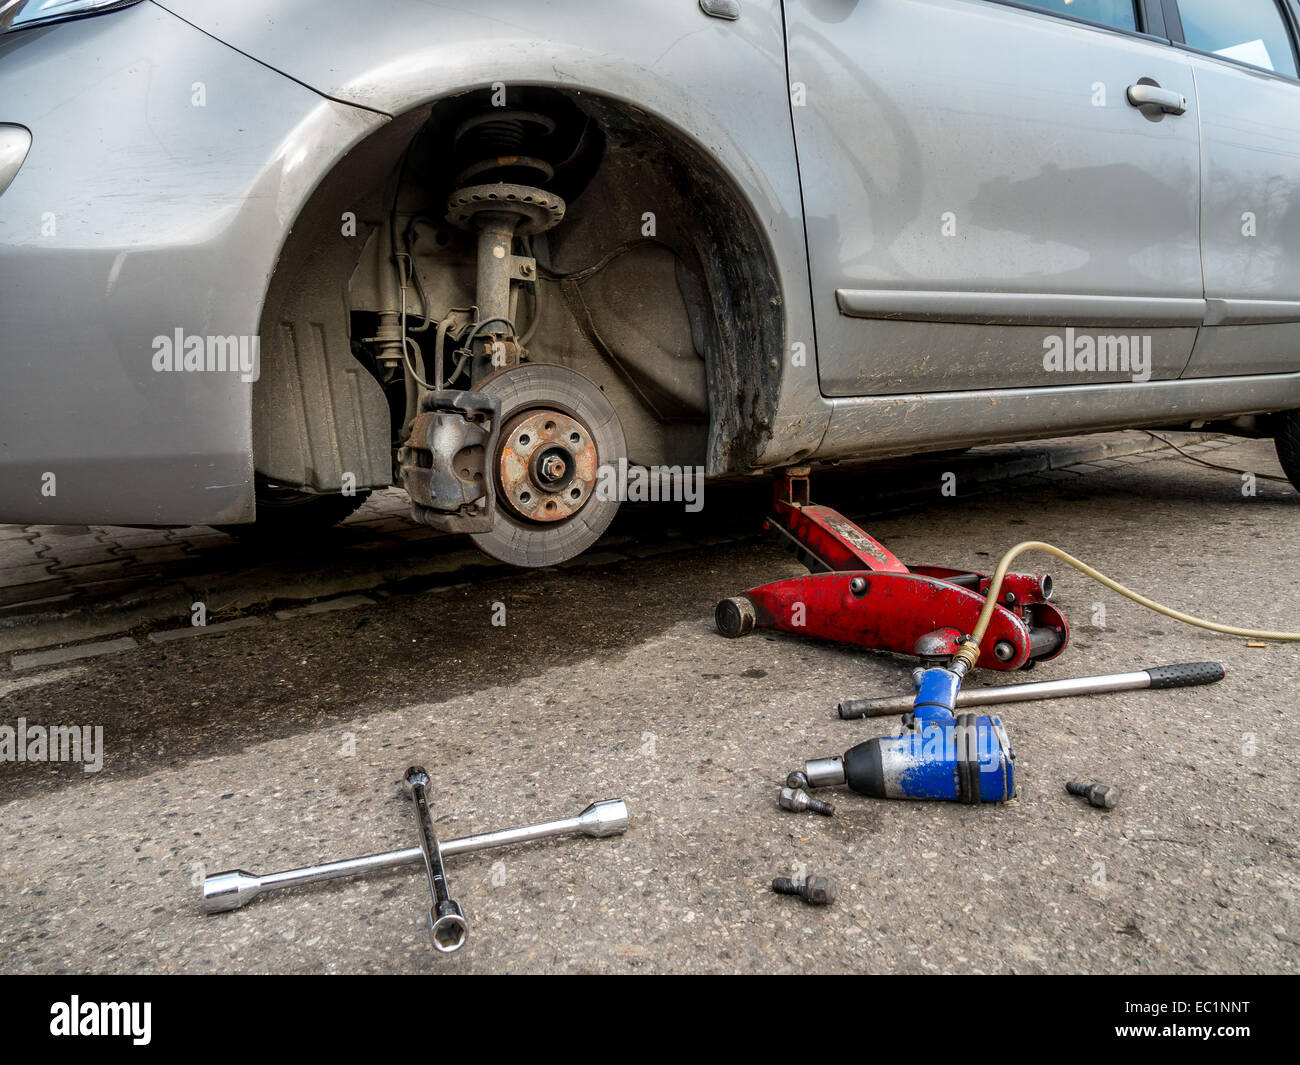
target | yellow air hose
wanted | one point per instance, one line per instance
(970, 648)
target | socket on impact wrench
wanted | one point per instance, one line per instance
(447, 925)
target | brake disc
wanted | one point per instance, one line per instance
(558, 430)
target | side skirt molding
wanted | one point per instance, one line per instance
(885, 426)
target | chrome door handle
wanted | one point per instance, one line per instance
(1169, 102)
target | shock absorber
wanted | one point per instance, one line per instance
(505, 201)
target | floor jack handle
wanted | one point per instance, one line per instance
(1182, 675)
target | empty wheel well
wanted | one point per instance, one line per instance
(658, 284)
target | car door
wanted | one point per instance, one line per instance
(1244, 59)
(978, 187)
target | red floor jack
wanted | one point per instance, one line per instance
(858, 593)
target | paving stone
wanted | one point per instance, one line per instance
(111, 585)
(62, 545)
(15, 553)
(58, 558)
(664, 547)
(24, 574)
(61, 531)
(347, 602)
(170, 635)
(594, 558)
(186, 532)
(138, 538)
(93, 571)
(1005, 471)
(204, 538)
(148, 556)
(7, 687)
(28, 605)
(55, 655)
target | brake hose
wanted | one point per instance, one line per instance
(970, 648)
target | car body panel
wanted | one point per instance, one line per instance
(974, 180)
(1250, 220)
(870, 427)
(135, 214)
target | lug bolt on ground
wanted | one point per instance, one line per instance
(1102, 795)
(814, 890)
(800, 801)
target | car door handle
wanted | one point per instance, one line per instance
(1169, 102)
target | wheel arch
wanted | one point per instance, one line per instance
(316, 419)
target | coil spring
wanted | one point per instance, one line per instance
(496, 145)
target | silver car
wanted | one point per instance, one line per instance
(261, 257)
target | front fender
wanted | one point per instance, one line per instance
(164, 174)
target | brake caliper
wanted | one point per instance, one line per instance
(446, 463)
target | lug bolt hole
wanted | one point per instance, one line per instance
(525, 497)
(524, 439)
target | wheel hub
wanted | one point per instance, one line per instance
(547, 465)
(557, 431)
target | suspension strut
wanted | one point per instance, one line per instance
(504, 202)
(450, 463)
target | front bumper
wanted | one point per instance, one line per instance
(164, 172)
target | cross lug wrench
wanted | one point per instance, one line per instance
(447, 925)
(235, 888)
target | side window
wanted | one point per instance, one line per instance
(1117, 13)
(1250, 31)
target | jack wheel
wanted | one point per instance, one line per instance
(558, 430)
(734, 617)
